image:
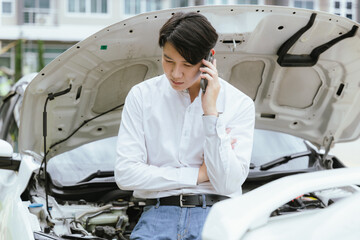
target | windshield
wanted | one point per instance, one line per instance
(71, 167)
(269, 145)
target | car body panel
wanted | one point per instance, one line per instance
(6, 149)
(321, 224)
(13, 212)
(319, 103)
(233, 218)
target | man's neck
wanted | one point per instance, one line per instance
(194, 91)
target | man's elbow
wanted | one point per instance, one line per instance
(124, 187)
(122, 181)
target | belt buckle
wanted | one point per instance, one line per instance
(184, 205)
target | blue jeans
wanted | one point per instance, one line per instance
(170, 222)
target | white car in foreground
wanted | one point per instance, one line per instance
(300, 67)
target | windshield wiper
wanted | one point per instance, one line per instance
(284, 159)
(98, 174)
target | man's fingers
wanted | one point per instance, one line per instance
(233, 142)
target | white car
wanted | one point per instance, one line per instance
(300, 67)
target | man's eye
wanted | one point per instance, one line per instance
(188, 65)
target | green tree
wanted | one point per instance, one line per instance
(41, 63)
(18, 59)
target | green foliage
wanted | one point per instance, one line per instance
(18, 59)
(41, 63)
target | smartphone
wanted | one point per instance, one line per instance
(203, 81)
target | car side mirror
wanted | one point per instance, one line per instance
(6, 157)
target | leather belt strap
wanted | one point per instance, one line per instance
(187, 200)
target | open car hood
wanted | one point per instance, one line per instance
(300, 67)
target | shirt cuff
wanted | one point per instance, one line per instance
(209, 122)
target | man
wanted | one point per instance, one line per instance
(179, 148)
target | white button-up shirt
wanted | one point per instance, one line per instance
(164, 139)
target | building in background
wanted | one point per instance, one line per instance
(59, 24)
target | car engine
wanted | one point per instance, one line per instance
(314, 200)
(115, 219)
(81, 219)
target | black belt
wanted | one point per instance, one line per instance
(188, 200)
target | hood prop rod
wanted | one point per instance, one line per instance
(50, 97)
(327, 162)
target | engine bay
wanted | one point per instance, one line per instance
(115, 219)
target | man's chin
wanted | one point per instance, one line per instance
(177, 86)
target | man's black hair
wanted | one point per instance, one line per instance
(191, 34)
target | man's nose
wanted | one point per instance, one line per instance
(177, 72)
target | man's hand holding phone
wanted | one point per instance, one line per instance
(210, 74)
(204, 81)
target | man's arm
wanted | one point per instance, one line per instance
(228, 162)
(227, 166)
(203, 176)
(131, 169)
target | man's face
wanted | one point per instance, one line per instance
(181, 74)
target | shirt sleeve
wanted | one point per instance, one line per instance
(132, 172)
(228, 168)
